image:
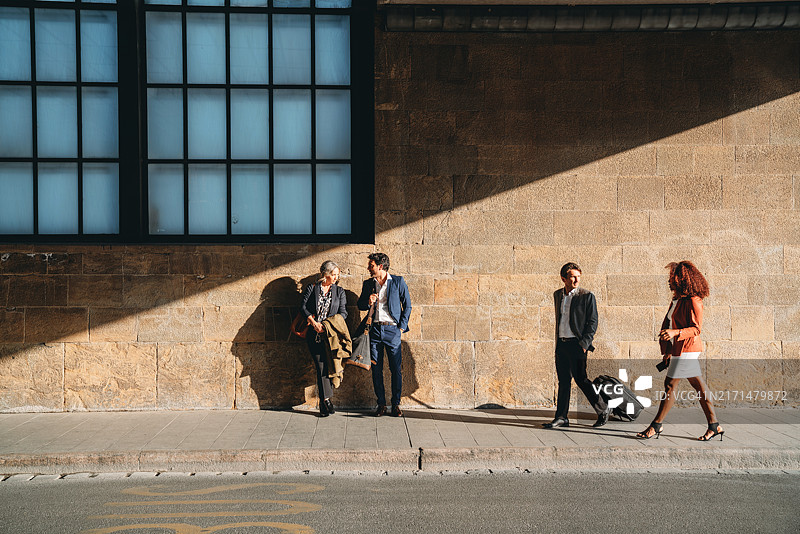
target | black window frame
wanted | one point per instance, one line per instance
(132, 98)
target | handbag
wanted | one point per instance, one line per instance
(360, 355)
(299, 325)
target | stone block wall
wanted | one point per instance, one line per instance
(499, 157)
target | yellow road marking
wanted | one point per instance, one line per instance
(183, 528)
(146, 491)
(295, 507)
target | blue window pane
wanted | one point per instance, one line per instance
(291, 49)
(249, 123)
(16, 132)
(333, 199)
(249, 199)
(164, 48)
(55, 45)
(332, 50)
(333, 124)
(208, 210)
(165, 199)
(291, 3)
(205, 41)
(251, 3)
(207, 123)
(101, 1)
(164, 2)
(292, 124)
(57, 122)
(15, 44)
(334, 3)
(101, 198)
(292, 199)
(206, 2)
(100, 122)
(98, 46)
(164, 123)
(58, 198)
(16, 198)
(249, 48)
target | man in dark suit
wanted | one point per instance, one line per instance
(392, 307)
(576, 324)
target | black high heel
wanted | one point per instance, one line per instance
(656, 431)
(713, 427)
(323, 409)
(329, 406)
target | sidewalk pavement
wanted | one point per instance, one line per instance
(424, 439)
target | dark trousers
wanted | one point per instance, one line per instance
(318, 356)
(571, 363)
(385, 337)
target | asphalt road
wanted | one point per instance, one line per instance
(403, 503)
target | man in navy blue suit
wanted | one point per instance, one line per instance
(392, 307)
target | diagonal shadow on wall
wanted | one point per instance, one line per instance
(461, 119)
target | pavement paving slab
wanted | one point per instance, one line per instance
(423, 440)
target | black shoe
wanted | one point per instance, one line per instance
(329, 406)
(381, 410)
(602, 418)
(715, 431)
(556, 423)
(647, 434)
(396, 411)
(323, 410)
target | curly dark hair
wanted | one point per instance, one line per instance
(686, 280)
(567, 267)
(380, 259)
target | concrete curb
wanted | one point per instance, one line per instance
(609, 458)
(436, 459)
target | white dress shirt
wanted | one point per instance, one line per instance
(564, 329)
(382, 309)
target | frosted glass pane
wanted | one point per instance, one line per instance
(15, 44)
(16, 132)
(291, 49)
(16, 198)
(334, 3)
(165, 199)
(249, 199)
(206, 2)
(164, 48)
(205, 41)
(208, 199)
(333, 199)
(251, 3)
(98, 46)
(249, 48)
(101, 198)
(57, 122)
(291, 3)
(249, 123)
(292, 199)
(332, 50)
(164, 2)
(100, 122)
(58, 198)
(207, 123)
(55, 45)
(333, 124)
(164, 123)
(292, 124)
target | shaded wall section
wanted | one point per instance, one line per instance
(498, 158)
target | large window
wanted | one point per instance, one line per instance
(193, 120)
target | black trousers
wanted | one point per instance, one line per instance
(571, 363)
(318, 356)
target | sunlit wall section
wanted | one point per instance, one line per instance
(251, 100)
(59, 120)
